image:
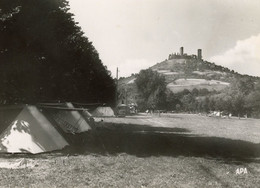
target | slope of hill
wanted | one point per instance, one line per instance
(181, 84)
(193, 73)
(188, 72)
(192, 68)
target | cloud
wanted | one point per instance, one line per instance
(243, 58)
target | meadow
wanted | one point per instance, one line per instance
(181, 84)
(170, 150)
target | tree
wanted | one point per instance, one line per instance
(178, 107)
(152, 87)
(172, 101)
(182, 93)
(189, 103)
(219, 104)
(244, 85)
(234, 98)
(204, 92)
(195, 92)
(253, 101)
(212, 104)
(206, 104)
(44, 55)
(238, 104)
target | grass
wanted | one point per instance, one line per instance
(125, 170)
(200, 125)
(177, 150)
(199, 81)
(181, 84)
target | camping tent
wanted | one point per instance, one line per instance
(103, 111)
(41, 128)
(31, 132)
(68, 118)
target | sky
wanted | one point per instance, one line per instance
(136, 34)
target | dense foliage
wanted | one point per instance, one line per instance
(152, 89)
(242, 98)
(45, 56)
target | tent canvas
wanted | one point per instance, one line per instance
(8, 114)
(86, 114)
(31, 132)
(103, 111)
(86, 108)
(68, 118)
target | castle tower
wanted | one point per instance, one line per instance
(181, 51)
(199, 54)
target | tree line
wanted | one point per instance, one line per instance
(241, 98)
(45, 56)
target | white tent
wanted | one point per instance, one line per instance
(103, 112)
(31, 132)
(68, 118)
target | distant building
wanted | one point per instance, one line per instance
(183, 55)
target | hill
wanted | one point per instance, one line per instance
(182, 71)
(193, 73)
(191, 84)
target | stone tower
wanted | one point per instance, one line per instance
(199, 54)
(181, 51)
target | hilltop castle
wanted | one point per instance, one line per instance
(183, 55)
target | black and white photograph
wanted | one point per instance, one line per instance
(129, 93)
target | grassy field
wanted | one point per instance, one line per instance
(181, 84)
(201, 125)
(178, 150)
(124, 170)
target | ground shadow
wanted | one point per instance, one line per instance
(144, 141)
